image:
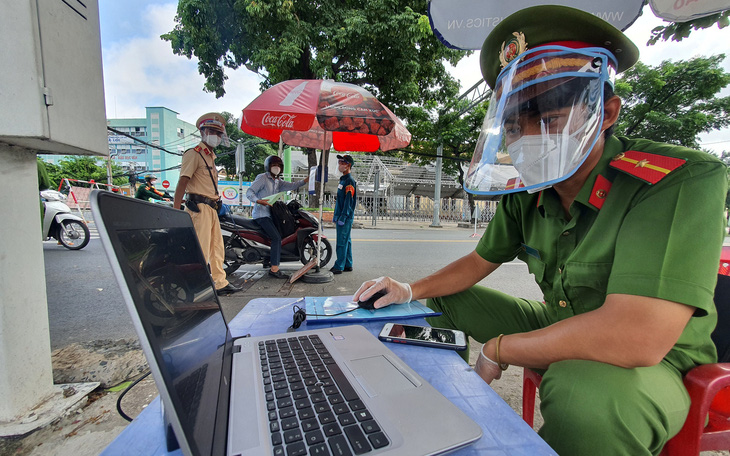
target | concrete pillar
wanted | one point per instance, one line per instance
(26, 378)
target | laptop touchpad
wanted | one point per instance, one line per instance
(379, 377)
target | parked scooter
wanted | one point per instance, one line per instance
(59, 223)
(248, 244)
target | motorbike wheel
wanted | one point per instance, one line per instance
(309, 251)
(229, 266)
(73, 234)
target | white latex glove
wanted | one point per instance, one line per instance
(396, 292)
(487, 369)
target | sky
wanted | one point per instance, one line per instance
(140, 69)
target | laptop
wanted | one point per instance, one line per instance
(331, 391)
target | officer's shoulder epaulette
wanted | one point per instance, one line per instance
(197, 148)
(515, 182)
(651, 168)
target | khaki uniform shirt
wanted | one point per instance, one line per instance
(196, 168)
(660, 240)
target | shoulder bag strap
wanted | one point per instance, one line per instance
(215, 184)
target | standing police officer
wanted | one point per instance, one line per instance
(622, 235)
(199, 178)
(344, 214)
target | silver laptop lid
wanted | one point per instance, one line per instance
(157, 260)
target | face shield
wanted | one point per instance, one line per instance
(543, 120)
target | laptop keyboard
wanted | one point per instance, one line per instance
(312, 408)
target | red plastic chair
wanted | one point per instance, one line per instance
(708, 422)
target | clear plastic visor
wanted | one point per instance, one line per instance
(215, 131)
(542, 122)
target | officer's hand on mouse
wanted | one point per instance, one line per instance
(396, 292)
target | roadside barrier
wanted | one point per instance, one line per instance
(79, 191)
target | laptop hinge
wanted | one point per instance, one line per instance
(236, 349)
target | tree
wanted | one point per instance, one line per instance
(675, 101)
(84, 168)
(386, 46)
(54, 173)
(256, 150)
(456, 133)
(677, 31)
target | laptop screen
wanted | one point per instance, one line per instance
(169, 283)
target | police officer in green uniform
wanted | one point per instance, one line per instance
(148, 190)
(344, 214)
(622, 235)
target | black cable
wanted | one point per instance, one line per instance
(119, 399)
(300, 315)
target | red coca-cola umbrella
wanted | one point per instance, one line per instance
(321, 114)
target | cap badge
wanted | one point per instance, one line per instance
(512, 48)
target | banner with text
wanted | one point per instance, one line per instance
(686, 10)
(232, 194)
(464, 24)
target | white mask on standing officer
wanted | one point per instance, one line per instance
(212, 140)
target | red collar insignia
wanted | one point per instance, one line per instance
(650, 168)
(599, 192)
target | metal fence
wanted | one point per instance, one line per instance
(417, 208)
(411, 208)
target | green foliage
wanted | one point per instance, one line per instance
(386, 46)
(255, 152)
(84, 168)
(677, 31)
(675, 101)
(457, 134)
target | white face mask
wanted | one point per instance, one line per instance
(212, 140)
(540, 160)
(275, 170)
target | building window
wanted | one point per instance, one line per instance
(180, 133)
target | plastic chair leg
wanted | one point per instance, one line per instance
(530, 382)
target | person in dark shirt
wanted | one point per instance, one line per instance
(344, 214)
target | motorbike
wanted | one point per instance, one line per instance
(247, 243)
(59, 223)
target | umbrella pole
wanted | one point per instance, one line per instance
(321, 196)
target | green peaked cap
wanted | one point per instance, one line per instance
(548, 24)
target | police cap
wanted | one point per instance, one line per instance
(536, 26)
(212, 120)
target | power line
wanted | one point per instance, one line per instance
(154, 146)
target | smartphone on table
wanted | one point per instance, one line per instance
(451, 339)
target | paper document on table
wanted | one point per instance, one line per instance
(327, 309)
(275, 197)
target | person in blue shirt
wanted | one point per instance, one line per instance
(267, 184)
(344, 214)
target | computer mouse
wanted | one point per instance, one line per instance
(369, 304)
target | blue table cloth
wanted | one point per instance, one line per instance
(505, 433)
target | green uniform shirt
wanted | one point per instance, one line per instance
(145, 193)
(660, 240)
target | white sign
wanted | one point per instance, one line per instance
(230, 192)
(465, 24)
(686, 10)
(119, 139)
